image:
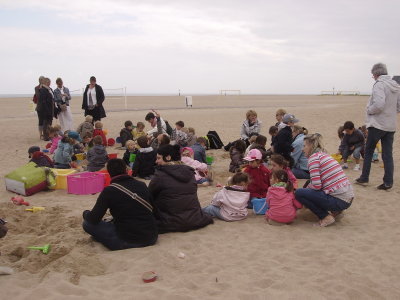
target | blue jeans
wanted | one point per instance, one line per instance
(386, 138)
(300, 173)
(213, 211)
(319, 202)
(356, 153)
(105, 233)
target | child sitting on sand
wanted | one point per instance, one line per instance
(130, 149)
(280, 199)
(87, 141)
(252, 141)
(126, 133)
(259, 176)
(145, 161)
(39, 158)
(65, 150)
(86, 127)
(353, 143)
(199, 150)
(278, 162)
(200, 169)
(97, 156)
(279, 116)
(99, 131)
(58, 128)
(178, 134)
(229, 204)
(283, 141)
(236, 153)
(191, 137)
(260, 143)
(55, 139)
(138, 131)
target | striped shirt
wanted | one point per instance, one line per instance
(325, 173)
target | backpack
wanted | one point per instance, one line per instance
(214, 140)
(169, 128)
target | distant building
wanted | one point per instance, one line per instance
(396, 78)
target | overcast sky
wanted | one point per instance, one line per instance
(198, 46)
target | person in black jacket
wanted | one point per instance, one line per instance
(145, 161)
(93, 99)
(282, 143)
(126, 133)
(47, 107)
(128, 200)
(174, 192)
(353, 143)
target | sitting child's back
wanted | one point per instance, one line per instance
(144, 165)
(39, 158)
(99, 131)
(97, 156)
(86, 127)
(126, 133)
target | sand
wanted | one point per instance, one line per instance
(356, 258)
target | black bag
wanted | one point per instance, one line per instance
(169, 128)
(214, 140)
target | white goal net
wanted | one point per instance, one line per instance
(230, 92)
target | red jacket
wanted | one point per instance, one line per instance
(103, 136)
(259, 181)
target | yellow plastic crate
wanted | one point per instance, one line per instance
(61, 178)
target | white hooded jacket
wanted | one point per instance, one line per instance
(383, 104)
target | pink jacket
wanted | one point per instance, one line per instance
(233, 203)
(281, 205)
(196, 165)
(292, 178)
(54, 143)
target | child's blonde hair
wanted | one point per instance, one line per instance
(281, 112)
(98, 125)
(89, 118)
(251, 113)
(129, 143)
(57, 127)
(140, 125)
(191, 130)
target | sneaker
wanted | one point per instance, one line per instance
(345, 166)
(384, 187)
(361, 181)
(357, 168)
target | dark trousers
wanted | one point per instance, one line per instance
(386, 138)
(46, 126)
(319, 202)
(106, 233)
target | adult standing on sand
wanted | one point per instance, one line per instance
(62, 98)
(38, 106)
(174, 192)
(329, 191)
(46, 107)
(382, 109)
(93, 99)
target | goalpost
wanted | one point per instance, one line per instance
(230, 92)
(118, 95)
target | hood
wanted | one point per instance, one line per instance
(390, 83)
(99, 150)
(180, 172)
(37, 154)
(277, 192)
(146, 150)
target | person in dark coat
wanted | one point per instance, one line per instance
(145, 161)
(46, 107)
(282, 143)
(174, 192)
(39, 158)
(126, 133)
(93, 99)
(128, 200)
(38, 108)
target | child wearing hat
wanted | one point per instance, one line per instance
(65, 150)
(39, 158)
(259, 175)
(282, 143)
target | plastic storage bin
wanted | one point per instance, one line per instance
(107, 177)
(61, 178)
(85, 183)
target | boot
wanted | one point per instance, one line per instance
(40, 132)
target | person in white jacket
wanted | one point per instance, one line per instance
(381, 117)
(230, 203)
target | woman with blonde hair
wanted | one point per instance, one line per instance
(62, 98)
(329, 191)
(300, 161)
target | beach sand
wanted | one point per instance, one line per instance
(356, 258)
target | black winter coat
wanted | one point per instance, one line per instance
(46, 104)
(175, 202)
(144, 164)
(125, 135)
(283, 143)
(98, 112)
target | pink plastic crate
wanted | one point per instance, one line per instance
(85, 183)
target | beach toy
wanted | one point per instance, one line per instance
(118, 140)
(110, 142)
(149, 277)
(85, 183)
(48, 145)
(107, 177)
(35, 208)
(105, 131)
(112, 155)
(132, 157)
(80, 156)
(260, 206)
(61, 177)
(45, 151)
(18, 200)
(45, 249)
(209, 160)
(337, 157)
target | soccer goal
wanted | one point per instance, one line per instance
(230, 92)
(116, 96)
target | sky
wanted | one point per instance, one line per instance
(156, 47)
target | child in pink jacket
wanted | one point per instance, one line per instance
(201, 170)
(280, 198)
(55, 138)
(278, 162)
(230, 203)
